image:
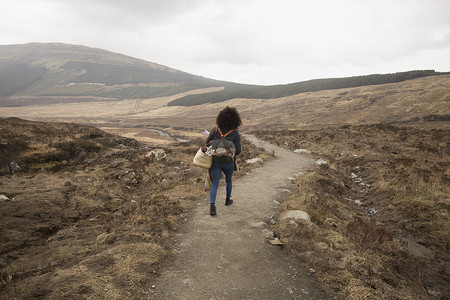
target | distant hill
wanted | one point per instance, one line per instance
(41, 74)
(61, 70)
(277, 91)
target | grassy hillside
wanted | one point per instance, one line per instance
(46, 70)
(71, 73)
(277, 91)
(14, 78)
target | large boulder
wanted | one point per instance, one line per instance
(295, 214)
(254, 160)
(302, 151)
(321, 162)
(14, 167)
(157, 153)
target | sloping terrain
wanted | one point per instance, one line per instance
(85, 214)
(38, 73)
(283, 90)
(60, 73)
(81, 205)
(379, 207)
(91, 215)
(413, 100)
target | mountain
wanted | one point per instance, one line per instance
(38, 74)
(283, 90)
(78, 72)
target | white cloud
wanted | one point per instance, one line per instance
(250, 41)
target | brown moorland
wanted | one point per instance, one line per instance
(90, 214)
(379, 208)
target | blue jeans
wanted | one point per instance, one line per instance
(216, 169)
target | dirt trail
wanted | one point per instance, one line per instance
(227, 256)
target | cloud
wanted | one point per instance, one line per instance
(246, 40)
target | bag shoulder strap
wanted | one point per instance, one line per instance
(210, 134)
(222, 135)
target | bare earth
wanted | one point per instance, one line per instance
(227, 256)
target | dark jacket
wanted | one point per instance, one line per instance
(234, 136)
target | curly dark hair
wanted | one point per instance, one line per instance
(228, 118)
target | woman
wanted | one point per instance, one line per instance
(227, 120)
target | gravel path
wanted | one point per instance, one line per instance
(227, 256)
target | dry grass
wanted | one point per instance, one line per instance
(99, 226)
(398, 102)
(394, 243)
(68, 211)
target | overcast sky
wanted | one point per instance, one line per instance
(246, 41)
